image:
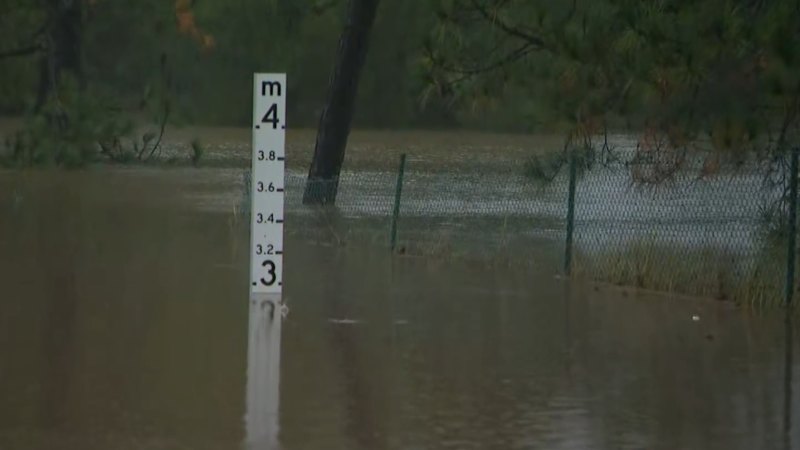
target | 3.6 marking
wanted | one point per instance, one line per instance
(260, 187)
(268, 188)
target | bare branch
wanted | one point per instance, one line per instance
(509, 58)
(515, 31)
(163, 125)
(24, 51)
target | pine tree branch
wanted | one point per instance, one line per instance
(505, 60)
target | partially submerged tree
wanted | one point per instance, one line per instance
(334, 125)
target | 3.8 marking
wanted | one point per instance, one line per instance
(268, 156)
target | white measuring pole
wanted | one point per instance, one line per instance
(266, 261)
(267, 189)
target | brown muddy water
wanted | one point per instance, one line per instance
(124, 325)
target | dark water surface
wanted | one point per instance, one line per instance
(124, 315)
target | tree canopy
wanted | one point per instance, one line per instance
(722, 74)
(715, 75)
(213, 48)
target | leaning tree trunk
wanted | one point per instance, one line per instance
(62, 49)
(334, 125)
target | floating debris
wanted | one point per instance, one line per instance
(344, 321)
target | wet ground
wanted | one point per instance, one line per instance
(124, 325)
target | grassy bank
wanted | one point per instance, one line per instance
(754, 282)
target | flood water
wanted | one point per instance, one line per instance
(124, 325)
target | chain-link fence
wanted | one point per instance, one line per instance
(701, 235)
(494, 217)
(716, 236)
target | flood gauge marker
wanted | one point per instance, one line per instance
(267, 207)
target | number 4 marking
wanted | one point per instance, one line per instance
(271, 116)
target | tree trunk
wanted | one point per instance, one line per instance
(63, 49)
(334, 125)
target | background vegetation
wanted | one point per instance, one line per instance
(212, 49)
(483, 64)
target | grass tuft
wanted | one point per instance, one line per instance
(755, 282)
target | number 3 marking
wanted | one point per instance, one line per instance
(271, 272)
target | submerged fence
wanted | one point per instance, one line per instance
(722, 236)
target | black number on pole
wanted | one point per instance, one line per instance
(271, 156)
(260, 249)
(270, 218)
(270, 272)
(271, 116)
(260, 188)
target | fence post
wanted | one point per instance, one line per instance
(791, 251)
(397, 195)
(570, 214)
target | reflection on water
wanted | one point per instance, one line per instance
(788, 380)
(124, 324)
(263, 372)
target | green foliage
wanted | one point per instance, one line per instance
(125, 46)
(19, 23)
(718, 72)
(66, 133)
(724, 71)
(76, 128)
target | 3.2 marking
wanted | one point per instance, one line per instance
(270, 250)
